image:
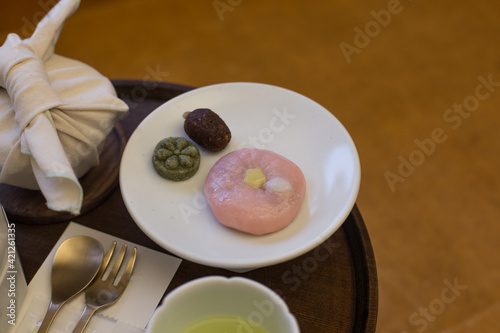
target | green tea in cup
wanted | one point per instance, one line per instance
(223, 305)
(223, 323)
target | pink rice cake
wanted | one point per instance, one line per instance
(257, 211)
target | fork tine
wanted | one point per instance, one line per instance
(105, 260)
(118, 262)
(128, 270)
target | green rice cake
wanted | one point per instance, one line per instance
(176, 158)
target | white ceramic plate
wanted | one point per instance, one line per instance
(176, 215)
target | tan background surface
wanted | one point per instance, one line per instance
(438, 224)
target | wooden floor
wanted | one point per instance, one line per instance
(417, 85)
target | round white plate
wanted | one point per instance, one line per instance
(176, 215)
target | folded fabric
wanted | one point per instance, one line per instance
(55, 114)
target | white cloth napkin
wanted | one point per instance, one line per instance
(55, 114)
(152, 274)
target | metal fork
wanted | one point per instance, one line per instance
(105, 292)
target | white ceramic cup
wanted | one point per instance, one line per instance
(217, 295)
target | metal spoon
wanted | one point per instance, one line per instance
(75, 265)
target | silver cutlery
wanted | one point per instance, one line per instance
(105, 290)
(75, 265)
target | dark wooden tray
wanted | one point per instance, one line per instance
(332, 288)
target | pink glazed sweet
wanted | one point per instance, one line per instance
(255, 210)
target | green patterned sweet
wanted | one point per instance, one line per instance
(176, 158)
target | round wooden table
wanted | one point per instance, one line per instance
(332, 288)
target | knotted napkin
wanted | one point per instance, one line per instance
(55, 114)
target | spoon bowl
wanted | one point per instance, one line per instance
(75, 265)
